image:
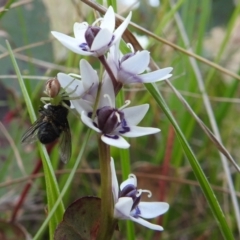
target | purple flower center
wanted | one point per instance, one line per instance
(132, 192)
(90, 34)
(109, 119)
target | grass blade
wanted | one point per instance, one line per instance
(51, 183)
(65, 187)
(211, 116)
(206, 188)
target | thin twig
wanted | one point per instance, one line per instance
(32, 77)
(163, 89)
(137, 173)
(25, 47)
(25, 192)
(43, 64)
(14, 5)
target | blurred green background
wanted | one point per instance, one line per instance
(213, 30)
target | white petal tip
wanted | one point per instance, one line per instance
(120, 142)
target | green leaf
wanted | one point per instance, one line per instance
(125, 167)
(112, 3)
(51, 182)
(6, 7)
(206, 188)
(65, 188)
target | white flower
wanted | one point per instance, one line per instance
(129, 68)
(128, 205)
(81, 92)
(114, 123)
(94, 40)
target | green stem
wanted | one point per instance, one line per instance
(107, 223)
(6, 7)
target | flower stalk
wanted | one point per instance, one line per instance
(116, 85)
(107, 222)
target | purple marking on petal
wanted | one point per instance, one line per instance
(89, 114)
(131, 194)
(131, 191)
(137, 213)
(84, 47)
(134, 78)
(119, 65)
(136, 201)
(126, 56)
(112, 136)
(125, 127)
(124, 130)
(109, 44)
(128, 189)
(124, 123)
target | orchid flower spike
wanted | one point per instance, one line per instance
(113, 124)
(94, 40)
(128, 205)
(129, 68)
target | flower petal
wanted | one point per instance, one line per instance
(89, 75)
(114, 69)
(129, 181)
(133, 115)
(152, 209)
(115, 189)
(114, 52)
(82, 105)
(112, 60)
(128, 77)
(156, 76)
(76, 85)
(108, 21)
(64, 79)
(136, 131)
(119, 31)
(71, 43)
(107, 88)
(137, 63)
(79, 30)
(88, 121)
(123, 207)
(120, 142)
(101, 42)
(147, 224)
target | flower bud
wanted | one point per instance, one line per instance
(52, 87)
